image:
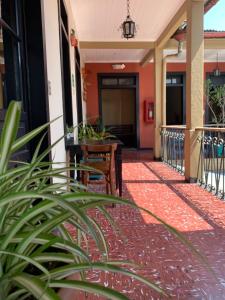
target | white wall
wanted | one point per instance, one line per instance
(50, 8)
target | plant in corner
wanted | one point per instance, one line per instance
(34, 205)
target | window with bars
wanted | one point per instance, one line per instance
(11, 52)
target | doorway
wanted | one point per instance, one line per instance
(118, 106)
(175, 99)
(216, 81)
(78, 87)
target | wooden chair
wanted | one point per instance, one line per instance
(102, 158)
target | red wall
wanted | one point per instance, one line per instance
(146, 90)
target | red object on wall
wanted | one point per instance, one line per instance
(148, 111)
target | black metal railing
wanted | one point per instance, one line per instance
(211, 166)
(172, 146)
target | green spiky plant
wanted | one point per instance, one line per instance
(88, 132)
(37, 253)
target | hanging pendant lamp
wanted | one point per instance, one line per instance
(128, 26)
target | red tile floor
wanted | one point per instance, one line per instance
(165, 260)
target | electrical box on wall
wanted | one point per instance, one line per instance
(149, 111)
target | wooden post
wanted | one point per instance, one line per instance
(195, 85)
(164, 72)
(158, 102)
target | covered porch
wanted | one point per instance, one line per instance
(160, 256)
(178, 52)
(86, 74)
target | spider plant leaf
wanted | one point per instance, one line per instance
(89, 288)
(46, 239)
(105, 199)
(66, 271)
(27, 259)
(22, 141)
(9, 133)
(36, 287)
(17, 294)
(104, 248)
(44, 228)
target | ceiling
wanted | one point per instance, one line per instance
(210, 55)
(136, 55)
(113, 55)
(99, 20)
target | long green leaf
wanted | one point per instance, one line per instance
(36, 287)
(27, 259)
(88, 287)
(66, 271)
(19, 143)
(9, 133)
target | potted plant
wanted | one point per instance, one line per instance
(88, 132)
(69, 132)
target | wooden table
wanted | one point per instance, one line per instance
(74, 149)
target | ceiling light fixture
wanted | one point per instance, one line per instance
(217, 72)
(128, 26)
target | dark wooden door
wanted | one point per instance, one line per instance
(119, 107)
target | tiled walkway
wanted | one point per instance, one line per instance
(196, 213)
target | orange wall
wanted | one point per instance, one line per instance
(146, 90)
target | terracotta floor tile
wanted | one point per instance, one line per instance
(165, 260)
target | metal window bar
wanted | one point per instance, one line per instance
(172, 147)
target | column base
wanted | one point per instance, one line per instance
(191, 180)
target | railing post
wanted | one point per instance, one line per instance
(195, 85)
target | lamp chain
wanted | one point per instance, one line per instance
(128, 7)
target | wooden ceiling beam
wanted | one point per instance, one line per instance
(165, 36)
(116, 45)
(147, 58)
(210, 44)
(173, 25)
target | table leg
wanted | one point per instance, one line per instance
(119, 179)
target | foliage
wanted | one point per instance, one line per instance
(88, 132)
(34, 260)
(215, 98)
(37, 253)
(69, 129)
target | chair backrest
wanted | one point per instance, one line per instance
(105, 152)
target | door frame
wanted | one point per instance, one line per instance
(78, 86)
(136, 87)
(184, 90)
(207, 76)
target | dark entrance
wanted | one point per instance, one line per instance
(78, 87)
(22, 67)
(217, 81)
(118, 106)
(175, 99)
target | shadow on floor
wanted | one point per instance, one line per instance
(164, 259)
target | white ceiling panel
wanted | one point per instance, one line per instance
(136, 55)
(112, 55)
(99, 20)
(209, 56)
